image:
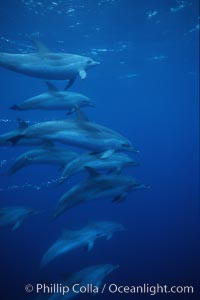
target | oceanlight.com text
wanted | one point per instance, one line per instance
(152, 290)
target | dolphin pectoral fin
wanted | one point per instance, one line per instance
(92, 172)
(42, 49)
(120, 198)
(51, 87)
(107, 153)
(17, 225)
(82, 74)
(70, 82)
(90, 245)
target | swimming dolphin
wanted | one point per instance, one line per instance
(5, 137)
(93, 275)
(114, 163)
(72, 239)
(43, 155)
(79, 133)
(14, 216)
(97, 186)
(55, 100)
(48, 65)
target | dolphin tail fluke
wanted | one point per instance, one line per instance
(15, 139)
(15, 107)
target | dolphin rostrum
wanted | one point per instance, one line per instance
(85, 237)
(43, 155)
(48, 65)
(14, 216)
(113, 163)
(97, 186)
(55, 100)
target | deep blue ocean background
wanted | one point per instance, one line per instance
(146, 87)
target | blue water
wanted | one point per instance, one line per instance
(146, 87)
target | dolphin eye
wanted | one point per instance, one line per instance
(89, 61)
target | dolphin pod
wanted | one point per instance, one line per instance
(86, 236)
(47, 65)
(106, 154)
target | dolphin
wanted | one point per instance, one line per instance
(72, 239)
(47, 65)
(43, 155)
(97, 186)
(14, 216)
(5, 137)
(93, 275)
(114, 163)
(55, 100)
(77, 132)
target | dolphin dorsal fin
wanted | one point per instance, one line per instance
(42, 49)
(92, 172)
(22, 124)
(81, 116)
(51, 87)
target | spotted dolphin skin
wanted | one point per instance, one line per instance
(55, 100)
(97, 186)
(93, 276)
(14, 216)
(47, 65)
(85, 237)
(43, 155)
